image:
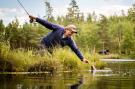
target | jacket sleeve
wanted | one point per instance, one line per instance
(75, 49)
(47, 24)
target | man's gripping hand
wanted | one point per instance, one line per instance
(32, 18)
(85, 61)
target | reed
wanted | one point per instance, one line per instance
(60, 60)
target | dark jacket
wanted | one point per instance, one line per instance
(55, 37)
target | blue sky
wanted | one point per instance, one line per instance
(9, 9)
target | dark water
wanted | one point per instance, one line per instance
(122, 76)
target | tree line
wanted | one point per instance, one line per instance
(115, 33)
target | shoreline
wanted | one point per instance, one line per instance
(118, 60)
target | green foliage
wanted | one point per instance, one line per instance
(131, 13)
(18, 43)
(88, 38)
(26, 36)
(60, 60)
(103, 32)
(2, 30)
(111, 56)
(89, 18)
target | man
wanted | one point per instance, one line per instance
(59, 36)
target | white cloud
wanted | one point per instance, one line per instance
(7, 10)
(9, 14)
(107, 10)
(59, 11)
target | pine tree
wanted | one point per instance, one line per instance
(103, 31)
(131, 13)
(89, 18)
(49, 11)
(73, 11)
(2, 30)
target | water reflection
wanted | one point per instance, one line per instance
(122, 77)
(8, 81)
(76, 85)
(66, 81)
(40, 81)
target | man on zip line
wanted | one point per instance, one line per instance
(59, 36)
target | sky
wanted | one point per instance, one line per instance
(10, 9)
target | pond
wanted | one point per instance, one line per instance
(122, 76)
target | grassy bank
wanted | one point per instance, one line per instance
(30, 60)
(117, 56)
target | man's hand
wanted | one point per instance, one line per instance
(85, 61)
(32, 18)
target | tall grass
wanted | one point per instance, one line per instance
(111, 56)
(60, 60)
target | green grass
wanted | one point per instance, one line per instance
(61, 60)
(111, 56)
(118, 56)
